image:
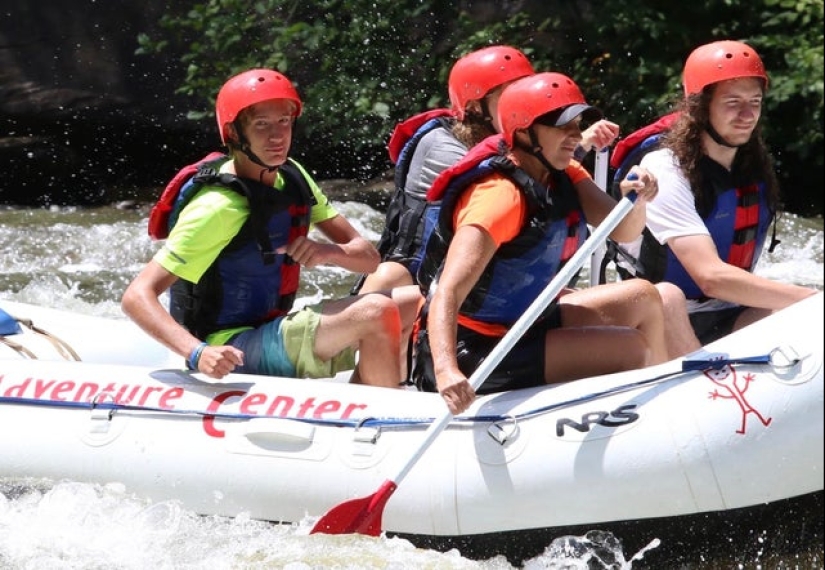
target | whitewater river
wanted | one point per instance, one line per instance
(83, 259)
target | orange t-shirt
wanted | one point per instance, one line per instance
(496, 205)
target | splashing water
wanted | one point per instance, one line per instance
(596, 550)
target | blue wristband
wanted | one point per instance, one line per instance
(195, 356)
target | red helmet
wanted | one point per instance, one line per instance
(479, 72)
(249, 88)
(527, 99)
(718, 61)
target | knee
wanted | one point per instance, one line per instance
(649, 290)
(380, 309)
(389, 275)
(646, 294)
(670, 293)
(673, 298)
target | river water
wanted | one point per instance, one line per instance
(82, 260)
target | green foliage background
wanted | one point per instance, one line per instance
(363, 65)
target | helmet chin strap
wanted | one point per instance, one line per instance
(535, 149)
(244, 147)
(717, 138)
(254, 158)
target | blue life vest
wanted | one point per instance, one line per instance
(249, 283)
(628, 153)
(406, 241)
(738, 223)
(403, 231)
(738, 219)
(520, 269)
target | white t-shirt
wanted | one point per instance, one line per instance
(672, 213)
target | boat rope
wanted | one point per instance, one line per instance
(17, 347)
(779, 358)
(61, 346)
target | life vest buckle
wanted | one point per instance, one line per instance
(269, 257)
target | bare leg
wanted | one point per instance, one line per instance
(409, 301)
(679, 335)
(573, 353)
(635, 303)
(370, 323)
(388, 275)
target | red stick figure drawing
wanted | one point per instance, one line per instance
(732, 388)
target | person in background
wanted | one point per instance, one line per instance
(718, 197)
(232, 260)
(515, 209)
(424, 145)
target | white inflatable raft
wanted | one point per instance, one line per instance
(744, 428)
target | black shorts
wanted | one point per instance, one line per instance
(522, 366)
(713, 325)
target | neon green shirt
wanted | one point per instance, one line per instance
(208, 223)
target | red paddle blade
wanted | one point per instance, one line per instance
(362, 516)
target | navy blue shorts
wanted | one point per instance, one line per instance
(713, 325)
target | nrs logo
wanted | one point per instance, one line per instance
(621, 416)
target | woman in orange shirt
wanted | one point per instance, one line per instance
(513, 211)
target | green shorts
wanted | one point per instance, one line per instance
(284, 347)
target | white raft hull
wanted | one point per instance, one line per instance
(93, 338)
(621, 447)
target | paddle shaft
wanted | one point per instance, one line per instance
(536, 308)
(600, 177)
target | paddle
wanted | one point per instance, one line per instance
(363, 515)
(600, 177)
